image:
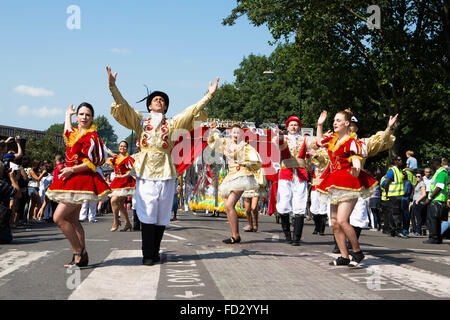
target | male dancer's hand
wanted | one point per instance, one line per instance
(212, 88)
(111, 78)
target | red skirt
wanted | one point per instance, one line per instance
(341, 185)
(123, 187)
(79, 187)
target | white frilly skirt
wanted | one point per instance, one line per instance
(239, 184)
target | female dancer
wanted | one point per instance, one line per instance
(344, 184)
(244, 173)
(122, 186)
(79, 180)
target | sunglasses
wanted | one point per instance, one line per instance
(418, 176)
(398, 159)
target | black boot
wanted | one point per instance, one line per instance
(298, 229)
(136, 222)
(148, 243)
(286, 226)
(323, 223)
(158, 238)
(316, 219)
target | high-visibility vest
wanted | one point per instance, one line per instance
(383, 191)
(411, 177)
(442, 195)
(396, 186)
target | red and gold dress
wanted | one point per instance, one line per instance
(339, 185)
(83, 146)
(122, 187)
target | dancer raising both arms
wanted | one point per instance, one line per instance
(244, 173)
(122, 186)
(154, 167)
(79, 180)
(292, 193)
(344, 184)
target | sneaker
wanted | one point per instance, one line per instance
(357, 257)
(340, 262)
(401, 235)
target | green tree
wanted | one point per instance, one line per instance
(401, 68)
(106, 132)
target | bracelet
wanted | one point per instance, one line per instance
(319, 124)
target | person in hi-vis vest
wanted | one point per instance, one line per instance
(391, 199)
(436, 202)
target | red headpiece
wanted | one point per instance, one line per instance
(293, 118)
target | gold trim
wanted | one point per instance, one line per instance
(77, 134)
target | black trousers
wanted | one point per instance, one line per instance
(152, 235)
(392, 210)
(435, 215)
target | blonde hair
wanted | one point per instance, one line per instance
(410, 153)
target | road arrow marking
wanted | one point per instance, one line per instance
(189, 295)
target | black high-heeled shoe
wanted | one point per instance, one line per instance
(84, 261)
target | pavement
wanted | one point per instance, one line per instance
(197, 266)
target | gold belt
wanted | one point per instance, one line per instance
(293, 163)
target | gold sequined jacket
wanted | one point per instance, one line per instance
(154, 161)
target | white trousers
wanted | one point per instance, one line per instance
(292, 196)
(88, 210)
(359, 217)
(317, 206)
(154, 199)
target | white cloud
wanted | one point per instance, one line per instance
(120, 51)
(34, 92)
(43, 112)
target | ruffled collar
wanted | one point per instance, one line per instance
(77, 134)
(334, 147)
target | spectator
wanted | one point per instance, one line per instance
(437, 199)
(445, 165)
(4, 148)
(411, 162)
(34, 178)
(393, 190)
(407, 190)
(6, 192)
(375, 206)
(427, 180)
(419, 196)
(45, 212)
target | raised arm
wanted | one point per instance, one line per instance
(195, 112)
(120, 109)
(70, 111)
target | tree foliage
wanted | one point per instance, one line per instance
(328, 49)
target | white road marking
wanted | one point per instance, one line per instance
(13, 260)
(426, 250)
(432, 283)
(121, 276)
(173, 236)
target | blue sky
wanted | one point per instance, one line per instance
(177, 46)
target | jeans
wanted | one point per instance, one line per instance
(376, 218)
(405, 213)
(445, 225)
(416, 217)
